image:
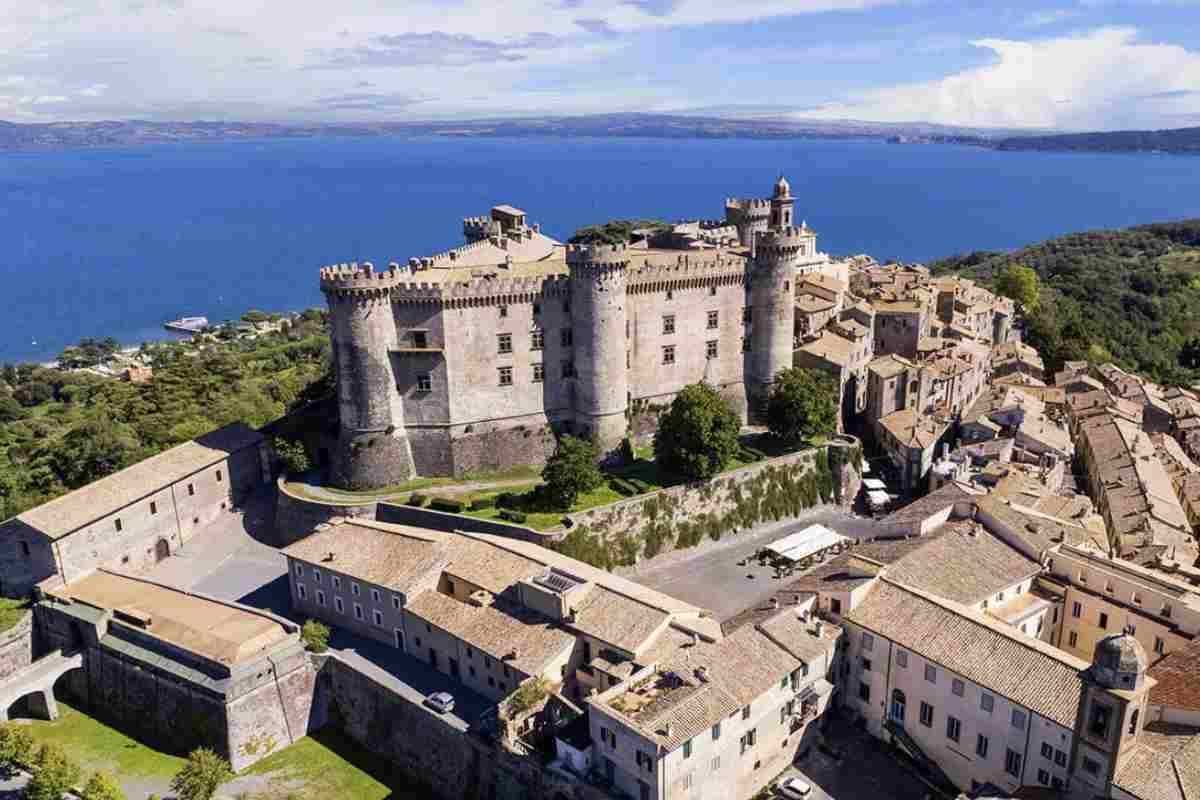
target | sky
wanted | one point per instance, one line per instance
(1070, 65)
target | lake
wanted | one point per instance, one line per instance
(112, 242)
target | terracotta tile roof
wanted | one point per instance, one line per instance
(1164, 765)
(394, 557)
(617, 619)
(1178, 676)
(990, 653)
(98, 499)
(929, 505)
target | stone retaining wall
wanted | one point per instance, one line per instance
(297, 517)
(16, 647)
(442, 521)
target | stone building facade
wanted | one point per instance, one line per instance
(475, 358)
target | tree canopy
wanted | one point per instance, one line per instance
(54, 774)
(201, 775)
(614, 232)
(698, 434)
(803, 404)
(102, 786)
(571, 471)
(1021, 284)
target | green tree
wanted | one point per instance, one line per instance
(10, 410)
(33, 393)
(201, 776)
(254, 315)
(53, 774)
(315, 636)
(293, 455)
(96, 448)
(571, 471)
(1021, 284)
(1189, 357)
(698, 434)
(802, 404)
(102, 786)
(16, 745)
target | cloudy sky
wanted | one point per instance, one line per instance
(1081, 64)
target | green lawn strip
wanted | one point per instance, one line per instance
(12, 612)
(329, 764)
(93, 745)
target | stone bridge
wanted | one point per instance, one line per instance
(36, 682)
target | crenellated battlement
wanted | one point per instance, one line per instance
(355, 278)
(750, 205)
(584, 258)
(688, 270)
(783, 242)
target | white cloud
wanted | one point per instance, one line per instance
(1103, 79)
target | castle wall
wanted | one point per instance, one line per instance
(16, 647)
(297, 517)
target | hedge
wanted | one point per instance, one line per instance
(480, 503)
(447, 504)
(417, 500)
(512, 516)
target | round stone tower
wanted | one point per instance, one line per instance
(1119, 662)
(372, 449)
(599, 277)
(772, 296)
(749, 216)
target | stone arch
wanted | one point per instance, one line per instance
(72, 687)
(38, 704)
(162, 550)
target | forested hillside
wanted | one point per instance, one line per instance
(61, 429)
(1131, 296)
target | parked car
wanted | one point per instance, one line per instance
(794, 789)
(441, 702)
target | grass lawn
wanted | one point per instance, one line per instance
(93, 745)
(325, 765)
(12, 612)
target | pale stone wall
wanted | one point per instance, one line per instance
(16, 647)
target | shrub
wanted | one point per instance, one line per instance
(417, 500)
(448, 504)
(315, 635)
(803, 404)
(201, 776)
(527, 696)
(622, 487)
(102, 786)
(507, 500)
(53, 774)
(512, 516)
(571, 471)
(293, 454)
(16, 745)
(481, 503)
(698, 434)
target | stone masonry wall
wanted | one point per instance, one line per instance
(624, 533)
(297, 517)
(16, 647)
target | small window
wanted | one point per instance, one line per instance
(1043, 777)
(713, 320)
(1060, 758)
(746, 712)
(539, 373)
(420, 340)
(710, 349)
(566, 338)
(902, 659)
(1167, 610)
(957, 687)
(337, 582)
(712, 291)
(117, 524)
(953, 729)
(1159, 645)
(537, 308)
(424, 382)
(1018, 719)
(505, 376)
(320, 598)
(986, 702)
(378, 617)
(687, 749)
(396, 602)
(301, 591)
(153, 508)
(375, 595)
(1073, 639)
(503, 312)
(1012, 763)
(864, 691)
(745, 345)
(981, 746)
(1047, 750)
(747, 314)
(668, 354)
(567, 306)
(926, 714)
(354, 589)
(218, 476)
(931, 673)
(339, 605)
(537, 339)
(716, 731)
(316, 575)
(668, 324)
(568, 369)
(299, 570)
(504, 343)
(191, 489)
(1103, 621)
(25, 549)
(358, 612)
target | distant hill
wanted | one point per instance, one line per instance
(1179, 140)
(1133, 294)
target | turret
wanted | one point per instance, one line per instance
(782, 205)
(773, 319)
(599, 277)
(373, 448)
(750, 217)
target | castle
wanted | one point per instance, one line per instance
(474, 358)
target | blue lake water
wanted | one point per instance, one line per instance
(115, 241)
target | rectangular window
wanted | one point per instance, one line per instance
(1060, 758)
(153, 507)
(1076, 610)
(953, 729)
(377, 616)
(957, 687)
(424, 382)
(1043, 777)
(566, 338)
(504, 343)
(1012, 763)
(902, 659)
(668, 324)
(710, 349)
(931, 673)
(1103, 621)
(745, 345)
(191, 490)
(420, 340)
(505, 376)
(396, 603)
(746, 712)
(716, 763)
(299, 570)
(1018, 719)
(316, 575)
(568, 369)
(687, 749)
(358, 612)
(301, 591)
(117, 524)
(1047, 750)
(926, 714)
(864, 691)
(716, 731)
(1091, 766)
(1167, 610)
(713, 320)
(866, 664)
(218, 476)
(337, 582)
(747, 314)
(320, 598)
(354, 589)
(1072, 639)
(981, 746)
(539, 373)
(503, 312)
(669, 354)
(339, 605)
(868, 642)
(375, 595)
(537, 339)
(1159, 645)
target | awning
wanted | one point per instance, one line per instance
(811, 540)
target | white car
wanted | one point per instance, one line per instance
(794, 788)
(441, 702)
